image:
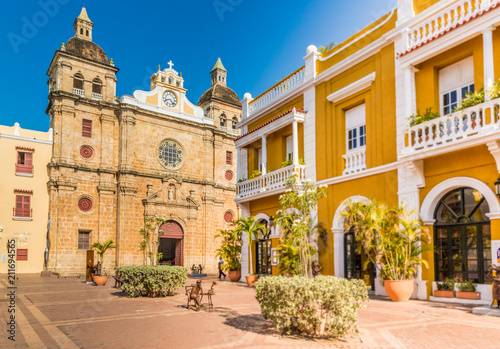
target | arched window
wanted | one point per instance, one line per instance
(223, 120)
(462, 236)
(171, 80)
(235, 121)
(78, 84)
(87, 33)
(97, 86)
(81, 31)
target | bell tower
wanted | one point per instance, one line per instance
(219, 73)
(83, 26)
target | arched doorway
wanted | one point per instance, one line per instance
(354, 261)
(263, 251)
(171, 243)
(462, 236)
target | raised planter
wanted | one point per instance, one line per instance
(251, 279)
(468, 295)
(234, 275)
(399, 290)
(445, 294)
(100, 280)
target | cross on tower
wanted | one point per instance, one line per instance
(170, 64)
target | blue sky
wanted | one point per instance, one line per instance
(258, 41)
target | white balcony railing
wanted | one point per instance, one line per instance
(96, 96)
(355, 161)
(458, 13)
(284, 87)
(270, 181)
(455, 128)
(78, 92)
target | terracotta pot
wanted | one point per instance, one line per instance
(251, 279)
(445, 294)
(399, 290)
(234, 275)
(100, 280)
(468, 295)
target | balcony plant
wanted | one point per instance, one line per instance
(445, 289)
(251, 228)
(100, 280)
(393, 240)
(255, 174)
(230, 251)
(418, 118)
(472, 99)
(467, 290)
(494, 90)
(289, 162)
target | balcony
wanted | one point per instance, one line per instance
(78, 92)
(469, 127)
(355, 161)
(22, 214)
(270, 183)
(96, 96)
(24, 169)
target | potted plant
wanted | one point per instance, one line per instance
(467, 290)
(230, 252)
(251, 228)
(445, 289)
(392, 238)
(100, 280)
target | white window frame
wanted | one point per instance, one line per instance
(259, 159)
(355, 123)
(289, 148)
(463, 73)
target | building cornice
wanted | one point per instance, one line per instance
(366, 173)
(26, 139)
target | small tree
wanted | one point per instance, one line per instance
(150, 233)
(101, 250)
(298, 228)
(230, 248)
(251, 228)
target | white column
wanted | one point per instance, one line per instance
(264, 154)
(338, 251)
(489, 71)
(238, 164)
(295, 139)
(409, 90)
(405, 11)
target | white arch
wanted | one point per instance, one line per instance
(261, 216)
(432, 199)
(338, 233)
(338, 220)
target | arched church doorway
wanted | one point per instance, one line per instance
(353, 261)
(171, 244)
(263, 251)
(462, 236)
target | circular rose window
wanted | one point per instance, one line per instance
(170, 154)
(86, 152)
(228, 217)
(85, 204)
(229, 175)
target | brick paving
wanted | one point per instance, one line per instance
(67, 313)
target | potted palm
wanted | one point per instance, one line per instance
(392, 238)
(100, 280)
(230, 252)
(251, 228)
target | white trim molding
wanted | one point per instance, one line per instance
(351, 89)
(432, 199)
(366, 173)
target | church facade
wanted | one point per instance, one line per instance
(118, 160)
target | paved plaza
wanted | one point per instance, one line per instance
(67, 313)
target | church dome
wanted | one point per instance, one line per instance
(86, 49)
(221, 93)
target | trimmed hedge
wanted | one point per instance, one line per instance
(152, 281)
(324, 305)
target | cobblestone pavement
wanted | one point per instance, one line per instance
(66, 313)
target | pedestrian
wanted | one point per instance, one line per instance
(174, 261)
(221, 261)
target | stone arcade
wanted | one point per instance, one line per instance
(117, 159)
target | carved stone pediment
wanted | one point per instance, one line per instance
(170, 194)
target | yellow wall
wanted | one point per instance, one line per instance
(420, 5)
(380, 100)
(358, 45)
(298, 103)
(36, 229)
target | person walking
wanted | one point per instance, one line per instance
(221, 262)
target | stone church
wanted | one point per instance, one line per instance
(116, 160)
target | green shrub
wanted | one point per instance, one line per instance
(447, 285)
(151, 280)
(255, 174)
(466, 286)
(418, 118)
(472, 98)
(324, 305)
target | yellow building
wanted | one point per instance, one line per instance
(347, 111)
(24, 155)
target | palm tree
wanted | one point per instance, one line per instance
(101, 249)
(251, 228)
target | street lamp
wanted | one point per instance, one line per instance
(497, 187)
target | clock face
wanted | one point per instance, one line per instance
(170, 99)
(170, 154)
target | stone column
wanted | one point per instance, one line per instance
(338, 251)
(489, 71)
(410, 106)
(295, 139)
(264, 154)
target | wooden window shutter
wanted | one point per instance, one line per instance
(229, 158)
(28, 159)
(26, 202)
(19, 158)
(22, 254)
(86, 128)
(19, 202)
